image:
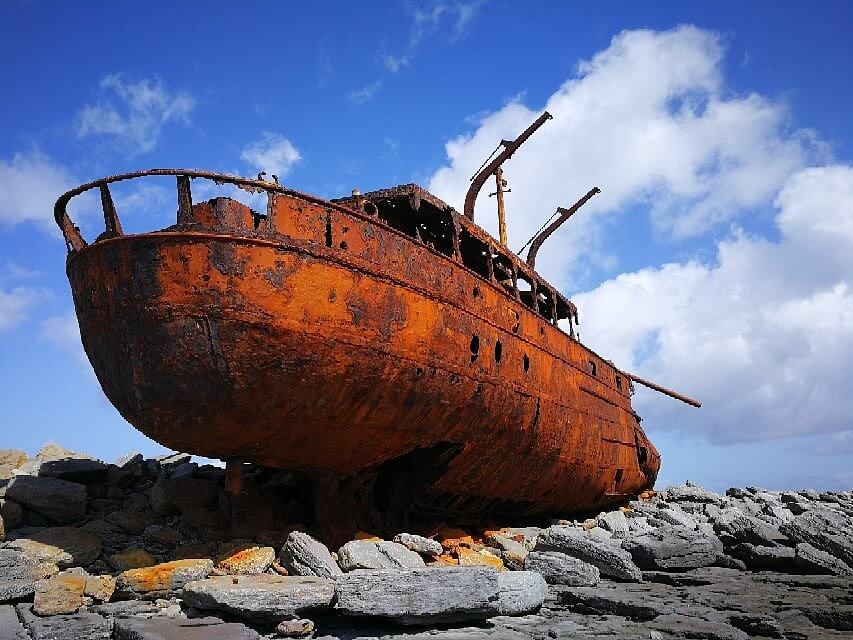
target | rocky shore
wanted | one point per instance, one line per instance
(153, 549)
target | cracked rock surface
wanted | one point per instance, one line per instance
(153, 549)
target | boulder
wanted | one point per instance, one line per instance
(262, 598)
(612, 521)
(521, 592)
(84, 470)
(161, 579)
(673, 550)
(825, 530)
(762, 558)
(367, 554)
(812, 560)
(15, 458)
(100, 588)
(59, 594)
(58, 500)
(12, 514)
(302, 555)
(688, 492)
(420, 596)
(610, 559)
(426, 547)
(63, 546)
(558, 568)
(246, 560)
(18, 575)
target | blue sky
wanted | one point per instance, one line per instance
(716, 260)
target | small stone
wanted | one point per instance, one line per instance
(424, 546)
(246, 560)
(161, 579)
(59, 500)
(470, 558)
(302, 555)
(131, 559)
(262, 598)
(558, 568)
(420, 596)
(521, 592)
(60, 594)
(295, 628)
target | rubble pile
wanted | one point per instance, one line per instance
(154, 549)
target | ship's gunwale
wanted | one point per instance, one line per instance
(286, 243)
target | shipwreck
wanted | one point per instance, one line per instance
(382, 346)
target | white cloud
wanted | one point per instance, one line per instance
(764, 336)
(132, 114)
(365, 93)
(15, 305)
(273, 153)
(29, 185)
(648, 120)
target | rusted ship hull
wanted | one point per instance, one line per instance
(320, 339)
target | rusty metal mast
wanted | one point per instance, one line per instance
(494, 167)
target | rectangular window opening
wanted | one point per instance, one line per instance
(545, 302)
(435, 228)
(502, 267)
(475, 253)
(525, 289)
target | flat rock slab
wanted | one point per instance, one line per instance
(263, 597)
(63, 546)
(161, 579)
(420, 596)
(673, 551)
(610, 559)
(56, 499)
(10, 626)
(75, 627)
(178, 629)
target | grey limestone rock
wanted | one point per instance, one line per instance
(609, 600)
(758, 557)
(58, 500)
(612, 521)
(368, 554)
(261, 597)
(181, 629)
(812, 560)
(608, 556)
(521, 592)
(420, 596)
(690, 493)
(513, 553)
(824, 529)
(673, 550)
(305, 556)
(558, 568)
(10, 626)
(18, 575)
(425, 546)
(65, 627)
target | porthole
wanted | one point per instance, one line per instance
(526, 361)
(475, 348)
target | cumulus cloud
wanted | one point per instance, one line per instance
(650, 121)
(764, 335)
(133, 114)
(365, 93)
(63, 331)
(29, 185)
(273, 153)
(15, 305)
